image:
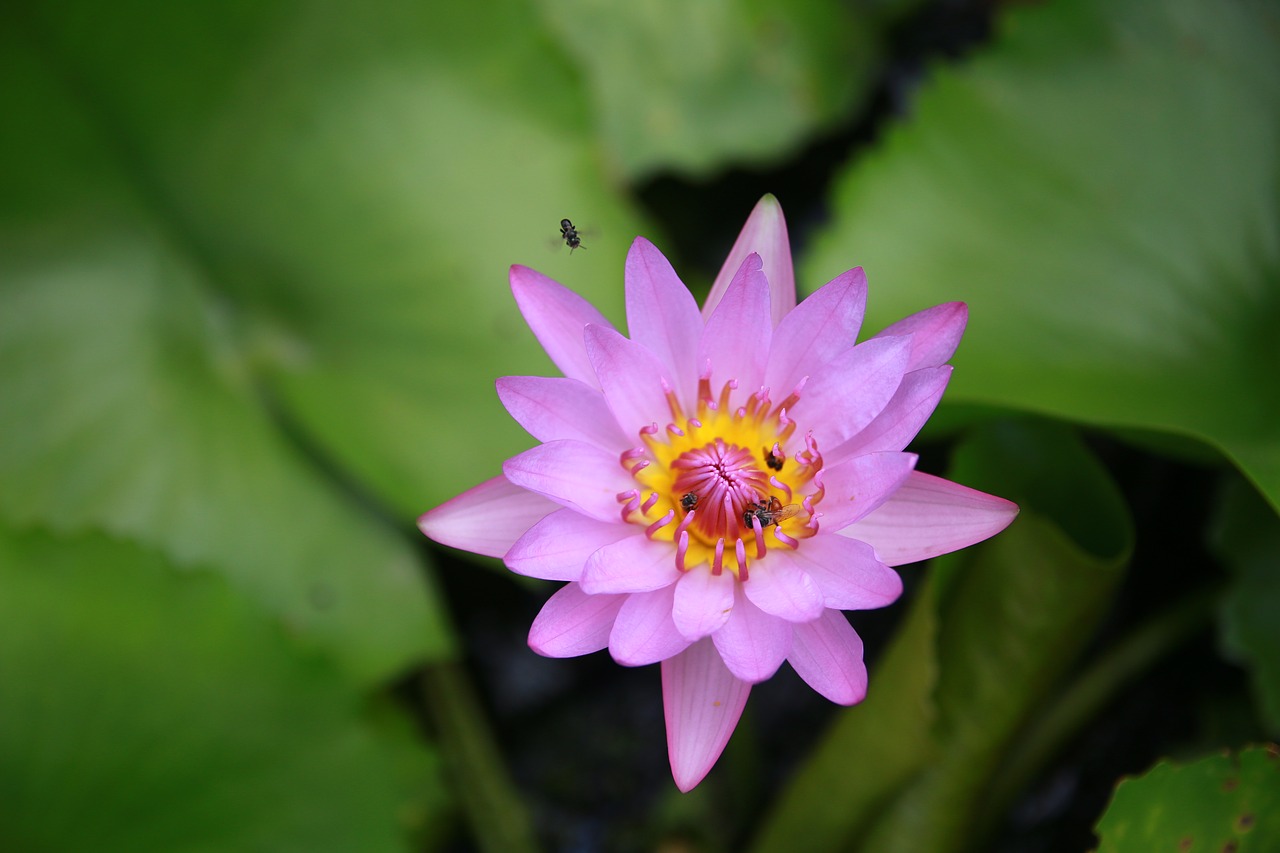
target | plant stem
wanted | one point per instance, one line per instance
(1094, 688)
(498, 819)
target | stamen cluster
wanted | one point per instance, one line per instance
(724, 479)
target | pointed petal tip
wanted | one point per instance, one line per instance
(688, 778)
(486, 519)
(702, 703)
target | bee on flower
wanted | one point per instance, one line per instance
(680, 542)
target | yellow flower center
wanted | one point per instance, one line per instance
(727, 483)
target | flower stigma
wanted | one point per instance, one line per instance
(721, 484)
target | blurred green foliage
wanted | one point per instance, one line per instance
(253, 298)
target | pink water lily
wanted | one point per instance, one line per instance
(717, 487)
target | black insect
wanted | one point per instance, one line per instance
(570, 235)
(773, 460)
(689, 502)
(768, 512)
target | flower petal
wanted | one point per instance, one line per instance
(557, 316)
(643, 633)
(902, 418)
(557, 547)
(846, 572)
(573, 623)
(935, 333)
(857, 486)
(633, 379)
(765, 234)
(736, 338)
(702, 702)
(849, 391)
(662, 315)
(634, 564)
(485, 519)
(703, 602)
(573, 474)
(929, 516)
(820, 328)
(827, 654)
(783, 589)
(752, 643)
(552, 408)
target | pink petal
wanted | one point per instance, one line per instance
(820, 328)
(643, 633)
(765, 234)
(662, 315)
(573, 623)
(827, 654)
(902, 418)
(557, 317)
(783, 589)
(935, 333)
(846, 571)
(557, 547)
(485, 519)
(703, 602)
(736, 339)
(552, 408)
(573, 474)
(929, 516)
(633, 379)
(857, 486)
(849, 391)
(634, 564)
(752, 643)
(702, 701)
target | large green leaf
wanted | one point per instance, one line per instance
(1225, 802)
(146, 709)
(241, 239)
(691, 85)
(1101, 187)
(125, 409)
(1248, 540)
(989, 636)
(357, 181)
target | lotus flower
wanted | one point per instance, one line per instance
(717, 487)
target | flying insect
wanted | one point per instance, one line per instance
(570, 234)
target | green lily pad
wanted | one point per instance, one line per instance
(1099, 186)
(1225, 802)
(356, 183)
(690, 86)
(147, 709)
(256, 261)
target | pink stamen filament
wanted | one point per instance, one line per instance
(778, 484)
(660, 523)
(685, 522)
(717, 567)
(782, 537)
